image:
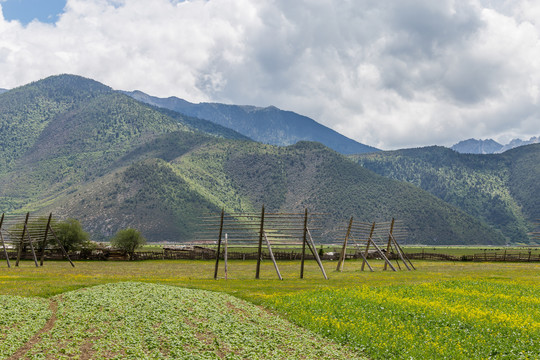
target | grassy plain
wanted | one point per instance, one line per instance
(455, 310)
(456, 251)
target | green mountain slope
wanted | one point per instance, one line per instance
(498, 189)
(27, 110)
(167, 198)
(66, 130)
(147, 195)
(311, 175)
(85, 151)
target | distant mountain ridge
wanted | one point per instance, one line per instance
(500, 189)
(489, 146)
(3, 90)
(268, 125)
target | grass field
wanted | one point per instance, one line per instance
(443, 310)
(446, 250)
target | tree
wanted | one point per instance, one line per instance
(128, 240)
(71, 235)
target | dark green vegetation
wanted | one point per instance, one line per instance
(71, 235)
(501, 190)
(268, 125)
(79, 149)
(128, 240)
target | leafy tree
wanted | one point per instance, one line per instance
(128, 240)
(71, 235)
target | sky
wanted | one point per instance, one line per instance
(390, 74)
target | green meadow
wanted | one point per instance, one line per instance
(452, 310)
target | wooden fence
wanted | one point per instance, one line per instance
(114, 255)
(495, 257)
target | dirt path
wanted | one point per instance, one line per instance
(53, 306)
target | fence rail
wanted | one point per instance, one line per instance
(209, 254)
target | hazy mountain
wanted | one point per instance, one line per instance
(474, 146)
(518, 142)
(3, 90)
(75, 147)
(268, 125)
(500, 189)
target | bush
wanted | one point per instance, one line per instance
(71, 235)
(128, 240)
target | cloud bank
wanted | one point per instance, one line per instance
(388, 74)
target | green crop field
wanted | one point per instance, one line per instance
(452, 310)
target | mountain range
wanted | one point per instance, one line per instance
(76, 147)
(500, 189)
(489, 146)
(268, 125)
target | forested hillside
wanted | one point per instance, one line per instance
(66, 130)
(79, 149)
(166, 197)
(501, 189)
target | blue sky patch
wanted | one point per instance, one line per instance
(46, 11)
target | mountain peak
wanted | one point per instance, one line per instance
(268, 125)
(63, 86)
(474, 146)
(74, 82)
(489, 146)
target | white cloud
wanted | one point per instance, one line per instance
(389, 74)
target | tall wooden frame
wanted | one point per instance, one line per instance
(19, 233)
(367, 235)
(267, 228)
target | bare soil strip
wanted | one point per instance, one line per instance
(53, 305)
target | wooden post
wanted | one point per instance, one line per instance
(44, 244)
(219, 243)
(31, 245)
(383, 256)
(315, 254)
(19, 252)
(225, 256)
(367, 262)
(3, 243)
(259, 252)
(304, 245)
(343, 254)
(61, 246)
(398, 250)
(389, 240)
(405, 255)
(367, 245)
(272, 256)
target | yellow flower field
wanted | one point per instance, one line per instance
(461, 319)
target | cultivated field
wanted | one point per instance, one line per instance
(448, 310)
